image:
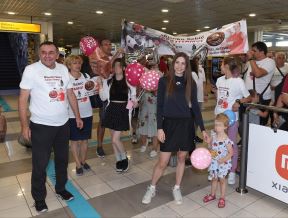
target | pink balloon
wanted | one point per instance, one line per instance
(149, 80)
(88, 45)
(133, 72)
(201, 158)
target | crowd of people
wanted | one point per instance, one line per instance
(169, 117)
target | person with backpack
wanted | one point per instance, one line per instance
(280, 72)
(260, 73)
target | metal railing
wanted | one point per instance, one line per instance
(245, 136)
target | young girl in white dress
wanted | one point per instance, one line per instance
(221, 148)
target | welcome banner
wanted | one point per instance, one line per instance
(228, 39)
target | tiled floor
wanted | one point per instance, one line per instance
(119, 195)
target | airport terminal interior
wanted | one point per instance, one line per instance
(102, 192)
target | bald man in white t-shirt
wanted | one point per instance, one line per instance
(47, 83)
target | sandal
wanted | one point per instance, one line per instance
(221, 203)
(208, 198)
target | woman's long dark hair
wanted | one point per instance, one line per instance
(171, 84)
(124, 86)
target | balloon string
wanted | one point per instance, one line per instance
(140, 95)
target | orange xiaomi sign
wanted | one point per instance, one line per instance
(20, 27)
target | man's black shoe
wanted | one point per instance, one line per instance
(41, 206)
(65, 195)
(100, 152)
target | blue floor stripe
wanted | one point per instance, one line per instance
(5, 106)
(80, 207)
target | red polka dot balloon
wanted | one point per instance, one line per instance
(88, 45)
(149, 80)
(133, 72)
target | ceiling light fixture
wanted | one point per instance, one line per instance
(132, 22)
(47, 13)
(11, 13)
(198, 30)
(99, 12)
(165, 21)
(174, 33)
(206, 27)
(163, 28)
(70, 22)
(164, 10)
(252, 15)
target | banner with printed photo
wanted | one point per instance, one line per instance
(228, 39)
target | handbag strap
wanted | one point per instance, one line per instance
(254, 86)
(280, 71)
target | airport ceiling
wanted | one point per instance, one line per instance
(185, 16)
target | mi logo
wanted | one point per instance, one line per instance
(281, 161)
(284, 162)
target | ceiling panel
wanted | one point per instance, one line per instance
(185, 16)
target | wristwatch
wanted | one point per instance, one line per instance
(238, 101)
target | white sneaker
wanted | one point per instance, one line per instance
(177, 195)
(231, 178)
(153, 153)
(210, 177)
(150, 193)
(134, 139)
(143, 148)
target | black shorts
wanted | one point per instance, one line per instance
(179, 135)
(81, 134)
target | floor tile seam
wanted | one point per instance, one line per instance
(201, 206)
(27, 203)
(238, 210)
(262, 197)
(88, 186)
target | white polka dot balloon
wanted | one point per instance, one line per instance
(149, 80)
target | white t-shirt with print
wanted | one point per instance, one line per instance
(48, 92)
(261, 83)
(228, 91)
(277, 77)
(84, 103)
(199, 80)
